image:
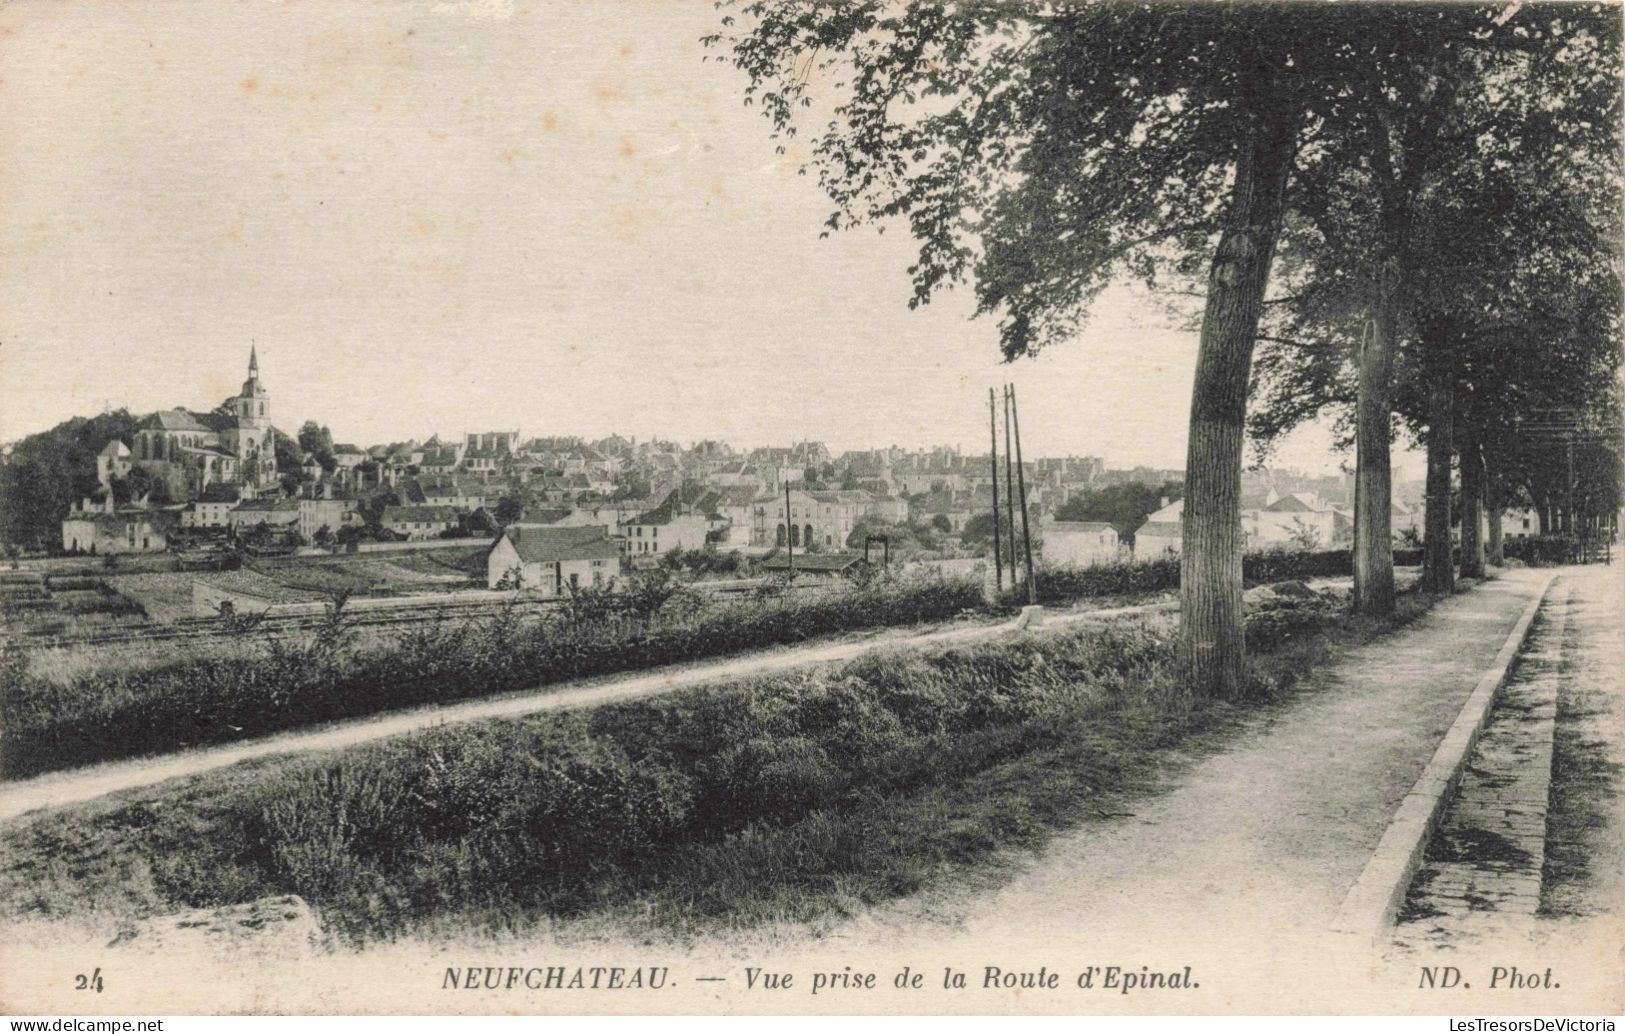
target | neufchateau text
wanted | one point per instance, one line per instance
(1119, 979)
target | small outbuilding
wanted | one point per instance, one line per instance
(548, 559)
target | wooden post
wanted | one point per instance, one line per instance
(1021, 482)
(998, 540)
(1010, 491)
(789, 531)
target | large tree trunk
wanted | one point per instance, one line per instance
(1438, 569)
(1373, 485)
(1495, 505)
(1212, 647)
(1472, 507)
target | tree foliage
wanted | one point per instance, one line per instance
(46, 473)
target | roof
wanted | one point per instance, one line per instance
(269, 504)
(209, 449)
(738, 495)
(1291, 504)
(174, 420)
(1172, 513)
(115, 448)
(1080, 527)
(842, 496)
(545, 544)
(689, 496)
(1170, 529)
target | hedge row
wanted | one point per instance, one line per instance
(1064, 584)
(709, 791)
(53, 725)
(1541, 550)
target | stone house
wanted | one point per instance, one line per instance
(548, 559)
(275, 513)
(419, 522)
(103, 530)
(332, 514)
(677, 523)
(1080, 542)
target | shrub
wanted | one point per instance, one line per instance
(1541, 550)
(1063, 584)
(102, 716)
(711, 791)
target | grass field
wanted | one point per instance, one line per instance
(793, 798)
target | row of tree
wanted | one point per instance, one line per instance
(1440, 181)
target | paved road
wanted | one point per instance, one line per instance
(56, 789)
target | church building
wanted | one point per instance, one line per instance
(192, 451)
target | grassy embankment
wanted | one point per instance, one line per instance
(277, 684)
(65, 710)
(796, 797)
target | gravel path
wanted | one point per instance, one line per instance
(1263, 840)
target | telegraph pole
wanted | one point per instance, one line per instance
(998, 542)
(1021, 482)
(1010, 491)
(789, 530)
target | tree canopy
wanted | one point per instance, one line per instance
(1041, 151)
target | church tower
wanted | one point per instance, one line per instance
(256, 444)
(254, 404)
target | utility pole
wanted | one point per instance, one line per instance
(1010, 491)
(998, 541)
(789, 531)
(1021, 482)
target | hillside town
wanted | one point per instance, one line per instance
(191, 480)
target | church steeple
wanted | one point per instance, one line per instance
(253, 364)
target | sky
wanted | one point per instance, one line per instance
(446, 217)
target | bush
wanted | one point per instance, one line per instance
(102, 716)
(1541, 550)
(714, 792)
(1068, 583)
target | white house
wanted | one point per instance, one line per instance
(1294, 520)
(1519, 523)
(546, 559)
(112, 462)
(273, 512)
(332, 514)
(1080, 542)
(419, 522)
(677, 523)
(205, 514)
(1162, 532)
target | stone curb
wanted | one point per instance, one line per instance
(1369, 909)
